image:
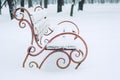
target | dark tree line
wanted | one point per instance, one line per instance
(12, 4)
(102, 1)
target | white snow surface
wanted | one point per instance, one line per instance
(99, 26)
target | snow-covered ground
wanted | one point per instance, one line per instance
(99, 26)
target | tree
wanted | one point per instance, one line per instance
(30, 3)
(22, 5)
(11, 5)
(72, 7)
(45, 3)
(4, 4)
(0, 6)
(102, 1)
(80, 5)
(59, 5)
(40, 2)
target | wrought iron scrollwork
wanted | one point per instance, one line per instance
(76, 56)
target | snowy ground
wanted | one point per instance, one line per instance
(99, 26)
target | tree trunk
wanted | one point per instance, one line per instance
(71, 12)
(11, 8)
(22, 5)
(30, 3)
(92, 2)
(4, 3)
(59, 5)
(102, 1)
(40, 2)
(45, 3)
(0, 7)
(80, 5)
(72, 8)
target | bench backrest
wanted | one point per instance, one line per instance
(40, 22)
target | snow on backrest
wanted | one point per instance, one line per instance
(40, 22)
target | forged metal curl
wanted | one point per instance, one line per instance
(23, 22)
(33, 63)
(22, 15)
(38, 7)
(49, 31)
(32, 52)
(57, 62)
(76, 27)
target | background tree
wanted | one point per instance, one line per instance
(45, 3)
(0, 6)
(5, 3)
(30, 3)
(11, 5)
(59, 5)
(40, 2)
(22, 5)
(102, 1)
(80, 4)
(72, 7)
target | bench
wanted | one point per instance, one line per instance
(44, 39)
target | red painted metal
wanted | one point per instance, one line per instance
(32, 50)
(38, 7)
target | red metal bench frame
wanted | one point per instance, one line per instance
(32, 52)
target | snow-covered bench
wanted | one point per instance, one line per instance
(46, 38)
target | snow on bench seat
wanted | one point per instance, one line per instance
(53, 47)
(63, 45)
